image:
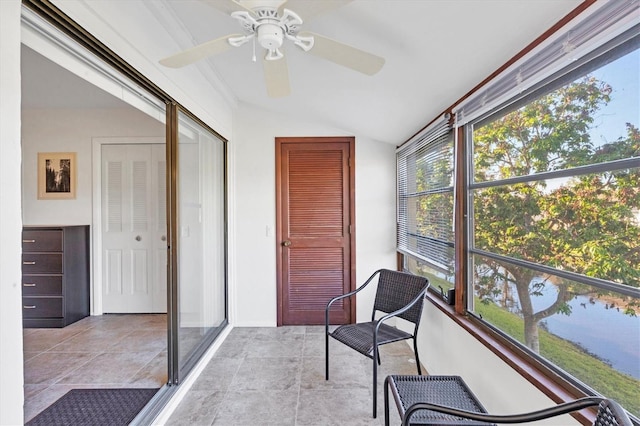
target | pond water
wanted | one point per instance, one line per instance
(603, 331)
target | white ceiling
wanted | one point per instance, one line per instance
(48, 85)
(435, 50)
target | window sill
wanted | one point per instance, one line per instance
(542, 377)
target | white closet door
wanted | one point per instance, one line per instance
(133, 250)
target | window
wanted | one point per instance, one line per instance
(550, 229)
(425, 204)
(555, 222)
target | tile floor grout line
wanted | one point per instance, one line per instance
(227, 390)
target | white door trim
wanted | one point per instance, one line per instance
(96, 232)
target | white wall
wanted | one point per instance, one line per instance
(72, 130)
(204, 98)
(254, 209)
(11, 376)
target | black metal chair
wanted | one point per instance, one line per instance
(610, 413)
(398, 295)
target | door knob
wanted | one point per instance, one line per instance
(138, 238)
(286, 243)
(163, 238)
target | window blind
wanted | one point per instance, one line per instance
(425, 168)
(604, 21)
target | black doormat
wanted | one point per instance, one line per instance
(95, 407)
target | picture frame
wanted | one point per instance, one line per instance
(57, 175)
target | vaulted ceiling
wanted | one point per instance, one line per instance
(435, 52)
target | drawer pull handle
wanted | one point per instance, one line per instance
(28, 241)
(29, 262)
(28, 285)
(29, 306)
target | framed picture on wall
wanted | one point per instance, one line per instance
(57, 175)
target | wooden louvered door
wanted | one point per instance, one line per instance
(315, 228)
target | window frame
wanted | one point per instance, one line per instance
(549, 378)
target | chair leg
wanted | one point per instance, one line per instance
(386, 401)
(376, 355)
(326, 356)
(415, 351)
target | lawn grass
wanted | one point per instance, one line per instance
(571, 358)
(565, 354)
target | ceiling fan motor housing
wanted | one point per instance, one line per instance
(270, 36)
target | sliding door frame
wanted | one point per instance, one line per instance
(69, 28)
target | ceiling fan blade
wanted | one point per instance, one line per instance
(276, 75)
(194, 54)
(308, 9)
(345, 55)
(226, 6)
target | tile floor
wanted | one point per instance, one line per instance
(259, 376)
(102, 351)
(275, 376)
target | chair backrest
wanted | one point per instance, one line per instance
(396, 290)
(610, 413)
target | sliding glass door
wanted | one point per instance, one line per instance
(199, 237)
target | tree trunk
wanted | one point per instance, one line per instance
(523, 279)
(531, 333)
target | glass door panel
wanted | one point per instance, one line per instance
(201, 240)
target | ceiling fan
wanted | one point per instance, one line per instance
(269, 23)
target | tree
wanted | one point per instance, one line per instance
(586, 224)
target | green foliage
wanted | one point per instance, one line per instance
(550, 133)
(434, 205)
(588, 224)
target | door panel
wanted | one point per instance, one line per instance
(134, 242)
(199, 248)
(315, 220)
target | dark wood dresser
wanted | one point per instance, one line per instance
(55, 275)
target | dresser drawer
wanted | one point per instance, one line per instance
(42, 307)
(41, 263)
(42, 240)
(42, 285)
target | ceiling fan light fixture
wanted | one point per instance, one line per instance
(270, 36)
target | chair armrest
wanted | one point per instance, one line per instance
(351, 293)
(545, 413)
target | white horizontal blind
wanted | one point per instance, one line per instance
(425, 196)
(601, 23)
